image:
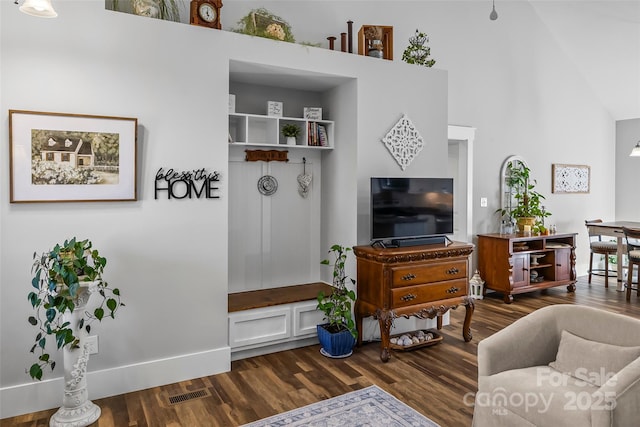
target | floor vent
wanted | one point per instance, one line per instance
(188, 396)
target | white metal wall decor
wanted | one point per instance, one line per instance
(304, 180)
(570, 178)
(267, 185)
(404, 142)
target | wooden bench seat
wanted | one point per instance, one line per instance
(248, 300)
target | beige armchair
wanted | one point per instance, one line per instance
(562, 365)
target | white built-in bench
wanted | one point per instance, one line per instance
(269, 320)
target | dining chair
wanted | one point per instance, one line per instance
(632, 237)
(600, 247)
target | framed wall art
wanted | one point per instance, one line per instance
(58, 157)
(570, 178)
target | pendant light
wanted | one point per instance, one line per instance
(493, 15)
(40, 8)
(636, 150)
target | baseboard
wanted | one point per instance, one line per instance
(47, 394)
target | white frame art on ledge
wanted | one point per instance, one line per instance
(58, 157)
(570, 178)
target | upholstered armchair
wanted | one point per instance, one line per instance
(562, 365)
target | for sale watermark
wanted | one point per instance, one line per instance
(581, 395)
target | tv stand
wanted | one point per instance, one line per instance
(419, 241)
(421, 281)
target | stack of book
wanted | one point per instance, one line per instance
(317, 135)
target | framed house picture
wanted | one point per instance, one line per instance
(570, 178)
(58, 157)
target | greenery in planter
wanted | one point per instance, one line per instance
(58, 276)
(262, 23)
(290, 130)
(418, 52)
(337, 306)
(528, 200)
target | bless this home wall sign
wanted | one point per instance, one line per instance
(197, 183)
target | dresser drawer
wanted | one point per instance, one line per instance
(428, 273)
(419, 294)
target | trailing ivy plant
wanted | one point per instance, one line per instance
(337, 305)
(58, 278)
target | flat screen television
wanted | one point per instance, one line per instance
(405, 208)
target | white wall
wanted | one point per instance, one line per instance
(507, 78)
(169, 257)
(627, 168)
(510, 78)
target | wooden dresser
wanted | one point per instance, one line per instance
(421, 281)
(512, 264)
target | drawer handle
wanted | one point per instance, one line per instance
(409, 276)
(452, 290)
(452, 271)
(408, 297)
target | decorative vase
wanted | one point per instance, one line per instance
(291, 140)
(76, 410)
(526, 220)
(335, 344)
(376, 49)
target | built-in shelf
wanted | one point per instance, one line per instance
(265, 131)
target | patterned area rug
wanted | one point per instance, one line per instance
(369, 407)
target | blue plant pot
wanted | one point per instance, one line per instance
(335, 344)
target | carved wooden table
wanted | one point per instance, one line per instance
(421, 281)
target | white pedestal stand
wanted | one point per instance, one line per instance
(76, 410)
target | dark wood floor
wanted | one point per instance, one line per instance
(433, 380)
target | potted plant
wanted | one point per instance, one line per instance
(262, 23)
(64, 278)
(338, 336)
(528, 210)
(291, 132)
(418, 52)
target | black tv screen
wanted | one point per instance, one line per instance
(411, 207)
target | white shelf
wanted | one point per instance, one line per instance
(264, 131)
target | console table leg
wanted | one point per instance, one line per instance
(385, 319)
(466, 327)
(439, 322)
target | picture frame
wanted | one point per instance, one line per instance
(232, 103)
(274, 108)
(312, 113)
(570, 178)
(62, 157)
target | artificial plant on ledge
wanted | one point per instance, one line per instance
(63, 279)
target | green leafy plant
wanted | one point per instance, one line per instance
(528, 200)
(418, 52)
(290, 130)
(262, 23)
(337, 305)
(59, 277)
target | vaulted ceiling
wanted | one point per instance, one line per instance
(602, 38)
